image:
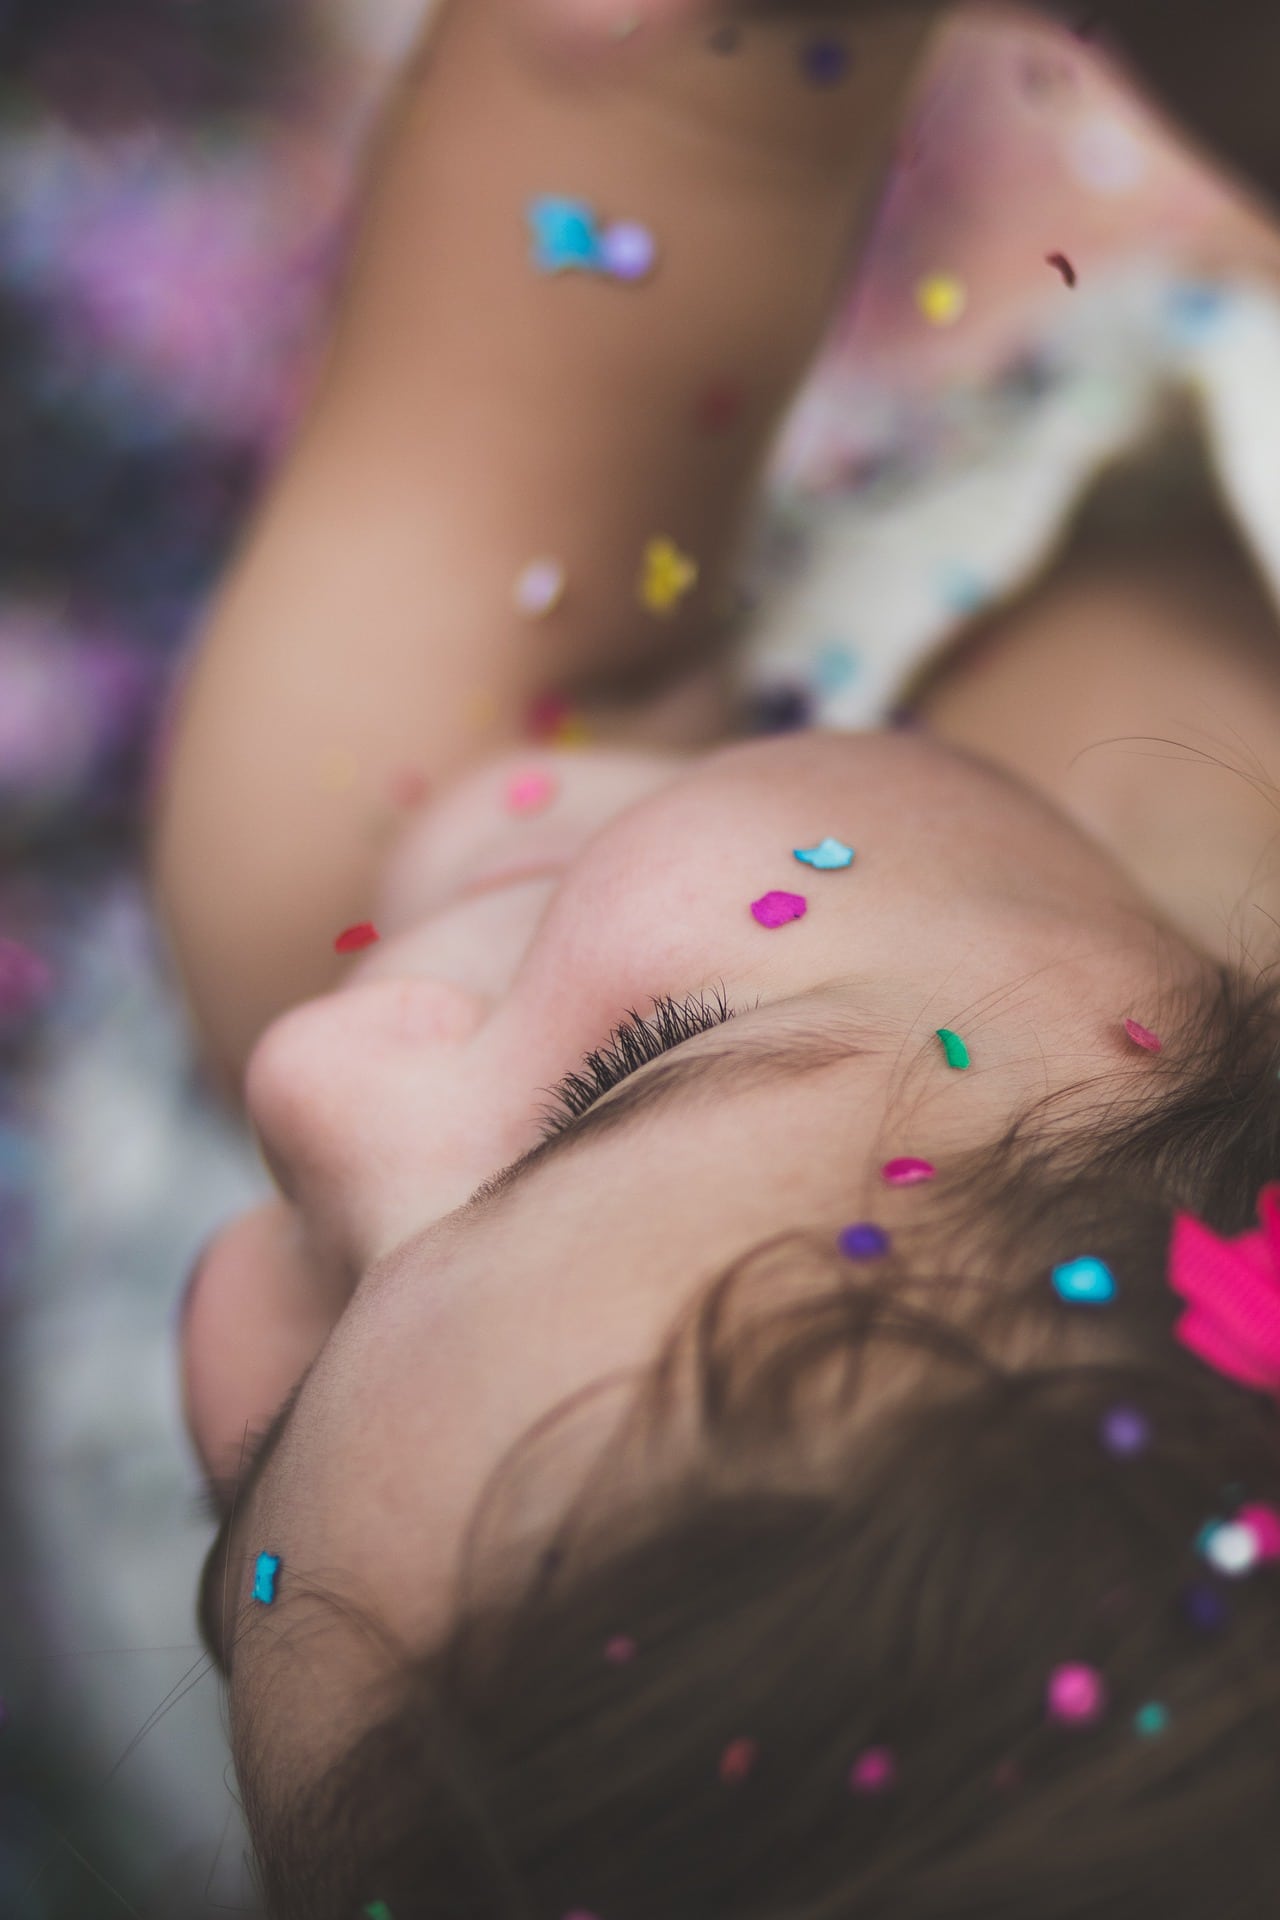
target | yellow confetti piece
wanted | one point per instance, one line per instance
(667, 575)
(572, 731)
(338, 771)
(941, 298)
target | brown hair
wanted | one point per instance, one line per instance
(909, 1585)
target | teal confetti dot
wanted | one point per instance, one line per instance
(957, 1054)
(962, 590)
(1084, 1282)
(564, 235)
(834, 667)
(264, 1577)
(829, 855)
(376, 1910)
(1151, 1721)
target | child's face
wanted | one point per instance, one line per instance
(440, 1331)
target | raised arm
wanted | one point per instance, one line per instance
(474, 413)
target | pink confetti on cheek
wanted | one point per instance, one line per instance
(1143, 1037)
(620, 1650)
(873, 1771)
(775, 909)
(1076, 1695)
(907, 1171)
(1264, 1524)
(529, 792)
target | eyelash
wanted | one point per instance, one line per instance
(634, 1042)
(209, 1500)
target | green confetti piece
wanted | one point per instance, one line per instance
(377, 1910)
(954, 1047)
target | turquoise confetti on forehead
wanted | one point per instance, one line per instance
(829, 855)
(564, 235)
(264, 1577)
(1086, 1281)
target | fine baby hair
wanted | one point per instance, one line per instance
(956, 1597)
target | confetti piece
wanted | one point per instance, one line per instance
(776, 908)
(352, 939)
(738, 1759)
(835, 666)
(26, 978)
(941, 298)
(719, 406)
(1063, 265)
(1230, 1548)
(620, 1650)
(545, 713)
(1151, 1720)
(1106, 157)
(863, 1241)
(1264, 1524)
(530, 792)
(409, 788)
(954, 1048)
(539, 587)
(667, 575)
(824, 62)
(628, 250)
(907, 1171)
(1125, 1432)
(1084, 1282)
(564, 235)
(377, 1910)
(1206, 1609)
(1076, 1695)
(829, 855)
(873, 1771)
(572, 731)
(266, 1567)
(1143, 1037)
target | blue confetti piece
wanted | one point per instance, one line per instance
(564, 236)
(1195, 309)
(1084, 1282)
(835, 666)
(828, 855)
(264, 1577)
(825, 62)
(1151, 1720)
(863, 1241)
(962, 590)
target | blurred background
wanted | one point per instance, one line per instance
(173, 185)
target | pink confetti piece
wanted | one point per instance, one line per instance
(352, 939)
(738, 1759)
(620, 1650)
(26, 979)
(873, 1771)
(1263, 1523)
(1076, 1695)
(409, 788)
(775, 909)
(530, 792)
(539, 588)
(907, 1171)
(1143, 1037)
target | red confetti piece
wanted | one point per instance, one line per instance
(1143, 1037)
(873, 1771)
(546, 714)
(719, 406)
(408, 788)
(738, 1759)
(352, 939)
(620, 1649)
(1064, 266)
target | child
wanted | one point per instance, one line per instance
(868, 1542)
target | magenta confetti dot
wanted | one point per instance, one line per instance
(1143, 1037)
(628, 250)
(738, 1759)
(1076, 1695)
(775, 909)
(873, 1771)
(907, 1171)
(1263, 1523)
(529, 792)
(620, 1649)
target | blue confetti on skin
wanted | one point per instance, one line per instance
(564, 235)
(825, 62)
(264, 1577)
(863, 1241)
(962, 590)
(828, 855)
(1086, 1281)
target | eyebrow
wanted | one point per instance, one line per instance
(739, 1064)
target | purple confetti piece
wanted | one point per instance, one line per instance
(775, 909)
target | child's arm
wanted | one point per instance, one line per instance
(475, 413)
